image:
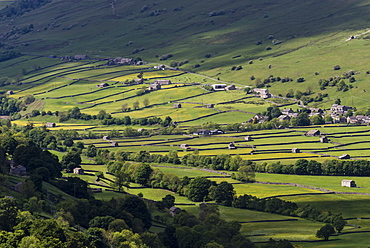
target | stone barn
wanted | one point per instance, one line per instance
(18, 170)
(50, 124)
(296, 150)
(78, 171)
(324, 139)
(174, 210)
(177, 105)
(344, 156)
(102, 85)
(313, 132)
(348, 183)
(185, 146)
(231, 146)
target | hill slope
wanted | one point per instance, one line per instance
(187, 29)
(212, 35)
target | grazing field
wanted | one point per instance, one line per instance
(351, 206)
(257, 226)
(332, 183)
(63, 85)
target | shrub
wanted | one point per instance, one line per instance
(337, 67)
(300, 80)
(145, 7)
(165, 57)
(276, 42)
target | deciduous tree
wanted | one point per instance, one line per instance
(325, 232)
(224, 193)
(198, 189)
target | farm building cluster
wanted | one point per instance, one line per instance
(336, 112)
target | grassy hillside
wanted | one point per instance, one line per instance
(212, 36)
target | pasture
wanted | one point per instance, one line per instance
(63, 85)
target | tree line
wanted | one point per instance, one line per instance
(333, 167)
(330, 167)
(279, 206)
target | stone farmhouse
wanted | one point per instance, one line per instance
(263, 93)
(18, 170)
(123, 61)
(202, 132)
(208, 132)
(286, 111)
(160, 67)
(284, 118)
(154, 86)
(358, 119)
(163, 82)
(258, 119)
(339, 109)
(219, 86)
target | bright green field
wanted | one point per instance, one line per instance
(327, 182)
